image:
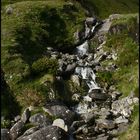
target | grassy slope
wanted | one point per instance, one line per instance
(126, 77)
(103, 8)
(26, 33)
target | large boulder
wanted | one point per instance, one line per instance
(16, 130)
(47, 133)
(97, 94)
(60, 123)
(60, 110)
(40, 119)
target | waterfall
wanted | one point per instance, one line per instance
(82, 49)
(87, 74)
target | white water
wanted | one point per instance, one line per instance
(87, 74)
(82, 49)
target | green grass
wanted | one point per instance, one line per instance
(133, 131)
(104, 8)
(125, 78)
(26, 33)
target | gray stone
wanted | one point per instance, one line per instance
(105, 124)
(16, 130)
(90, 21)
(40, 119)
(25, 116)
(28, 132)
(61, 111)
(9, 10)
(17, 118)
(121, 120)
(47, 133)
(60, 123)
(123, 106)
(97, 94)
(5, 135)
(70, 68)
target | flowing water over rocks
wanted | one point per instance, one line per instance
(98, 114)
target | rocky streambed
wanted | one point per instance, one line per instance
(98, 114)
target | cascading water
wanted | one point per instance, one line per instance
(85, 73)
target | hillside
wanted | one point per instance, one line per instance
(53, 64)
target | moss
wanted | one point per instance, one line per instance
(26, 33)
(45, 65)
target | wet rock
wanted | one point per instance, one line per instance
(5, 135)
(105, 124)
(16, 130)
(61, 111)
(97, 94)
(47, 133)
(60, 123)
(40, 119)
(25, 116)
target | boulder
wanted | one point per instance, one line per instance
(97, 94)
(70, 68)
(105, 124)
(90, 21)
(40, 119)
(47, 133)
(16, 130)
(25, 116)
(75, 79)
(5, 135)
(60, 123)
(9, 10)
(61, 111)
(121, 119)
